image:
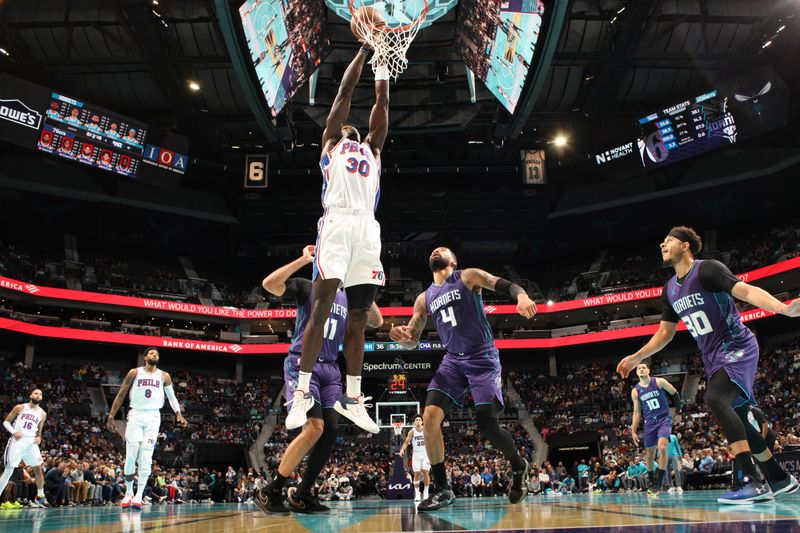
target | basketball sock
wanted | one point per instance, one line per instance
(40, 493)
(304, 381)
(128, 488)
(660, 478)
(353, 386)
(772, 470)
(439, 477)
(276, 486)
(747, 466)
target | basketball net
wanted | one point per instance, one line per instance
(390, 42)
(398, 428)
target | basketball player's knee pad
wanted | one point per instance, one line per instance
(131, 456)
(720, 394)
(754, 438)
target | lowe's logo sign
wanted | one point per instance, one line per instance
(18, 113)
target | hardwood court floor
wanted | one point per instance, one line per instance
(689, 512)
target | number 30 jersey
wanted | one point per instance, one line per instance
(147, 391)
(459, 317)
(351, 177)
(702, 301)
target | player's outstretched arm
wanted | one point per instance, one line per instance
(637, 416)
(408, 336)
(120, 398)
(475, 277)
(169, 390)
(374, 317)
(760, 298)
(10, 418)
(379, 118)
(341, 104)
(275, 283)
(662, 337)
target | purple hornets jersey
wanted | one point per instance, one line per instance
(712, 319)
(459, 316)
(333, 334)
(653, 400)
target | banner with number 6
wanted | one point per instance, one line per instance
(255, 171)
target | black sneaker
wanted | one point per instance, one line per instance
(518, 488)
(305, 503)
(440, 498)
(787, 486)
(270, 502)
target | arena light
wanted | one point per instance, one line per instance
(766, 44)
(193, 85)
(550, 302)
(4, 52)
(560, 141)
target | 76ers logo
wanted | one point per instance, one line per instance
(377, 274)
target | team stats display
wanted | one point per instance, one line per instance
(75, 130)
(686, 130)
(496, 40)
(287, 40)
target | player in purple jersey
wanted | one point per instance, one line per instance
(325, 387)
(701, 295)
(471, 362)
(649, 397)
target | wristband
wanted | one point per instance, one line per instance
(381, 73)
(364, 50)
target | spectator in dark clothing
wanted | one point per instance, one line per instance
(55, 484)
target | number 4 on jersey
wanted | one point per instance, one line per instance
(449, 316)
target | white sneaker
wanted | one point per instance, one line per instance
(679, 490)
(301, 403)
(354, 409)
(417, 497)
(671, 490)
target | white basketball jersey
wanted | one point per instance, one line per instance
(28, 420)
(147, 391)
(351, 177)
(418, 441)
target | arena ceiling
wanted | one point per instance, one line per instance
(613, 59)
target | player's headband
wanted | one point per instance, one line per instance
(684, 237)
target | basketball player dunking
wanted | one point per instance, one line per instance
(471, 362)
(25, 423)
(319, 432)
(147, 385)
(419, 457)
(701, 294)
(348, 244)
(650, 404)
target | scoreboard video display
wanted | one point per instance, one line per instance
(81, 132)
(686, 129)
(496, 40)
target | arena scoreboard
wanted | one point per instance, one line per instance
(686, 129)
(81, 132)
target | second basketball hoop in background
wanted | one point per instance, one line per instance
(388, 32)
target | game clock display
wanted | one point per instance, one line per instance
(398, 384)
(78, 131)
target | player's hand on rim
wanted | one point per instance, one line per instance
(525, 306)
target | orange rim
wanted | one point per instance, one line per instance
(397, 29)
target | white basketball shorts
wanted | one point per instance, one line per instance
(349, 247)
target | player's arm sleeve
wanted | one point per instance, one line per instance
(716, 277)
(299, 289)
(173, 400)
(668, 314)
(8, 426)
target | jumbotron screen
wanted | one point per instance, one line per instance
(686, 129)
(496, 41)
(287, 40)
(85, 133)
